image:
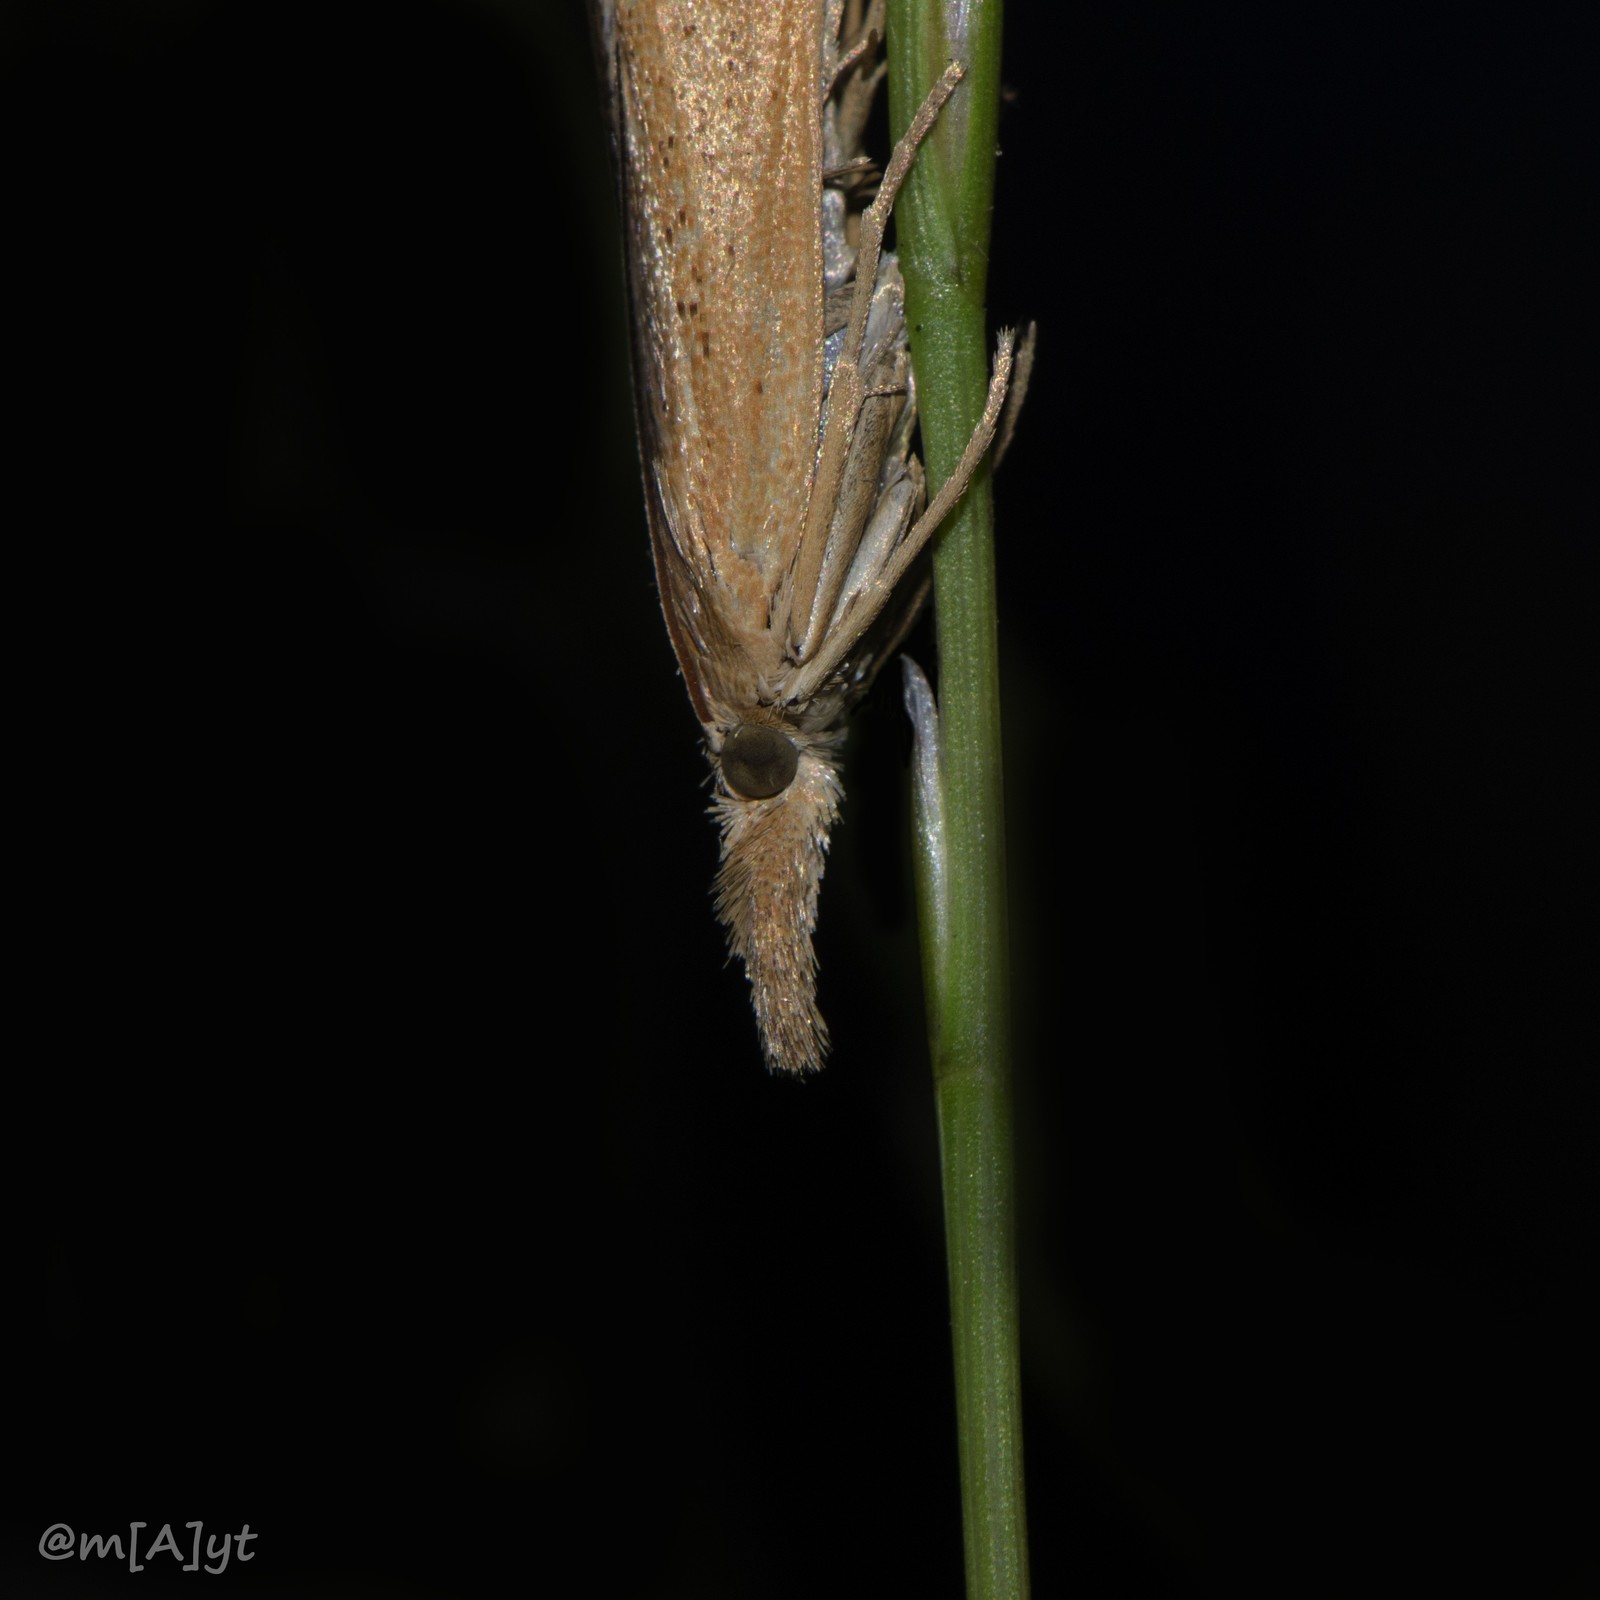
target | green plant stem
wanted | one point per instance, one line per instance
(942, 225)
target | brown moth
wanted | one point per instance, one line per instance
(775, 408)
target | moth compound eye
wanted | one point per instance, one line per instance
(758, 761)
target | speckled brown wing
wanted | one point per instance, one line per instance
(721, 189)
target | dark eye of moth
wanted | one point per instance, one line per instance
(758, 761)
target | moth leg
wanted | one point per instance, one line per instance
(956, 484)
(833, 21)
(846, 391)
(851, 57)
(873, 595)
(836, 309)
(853, 168)
(870, 466)
(875, 219)
(1020, 376)
(853, 94)
(894, 513)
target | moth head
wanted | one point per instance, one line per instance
(758, 760)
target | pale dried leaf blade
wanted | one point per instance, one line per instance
(927, 791)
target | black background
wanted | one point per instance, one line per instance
(394, 1168)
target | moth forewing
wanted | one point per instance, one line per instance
(775, 405)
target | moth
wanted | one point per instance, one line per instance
(775, 407)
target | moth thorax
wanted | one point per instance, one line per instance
(759, 761)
